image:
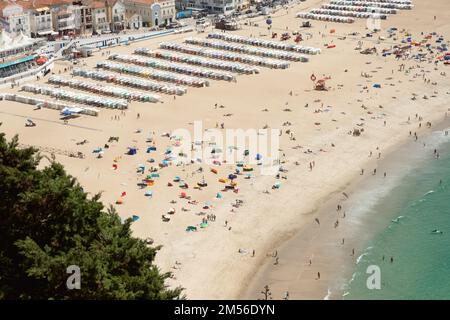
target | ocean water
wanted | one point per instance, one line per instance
(417, 202)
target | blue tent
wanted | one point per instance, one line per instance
(132, 151)
(150, 149)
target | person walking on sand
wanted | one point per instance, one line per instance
(353, 252)
(318, 275)
(374, 171)
(253, 253)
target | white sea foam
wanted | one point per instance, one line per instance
(327, 297)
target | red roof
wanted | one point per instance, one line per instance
(97, 4)
(30, 4)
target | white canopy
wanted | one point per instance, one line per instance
(5, 41)
(9, 43)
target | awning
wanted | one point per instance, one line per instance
(67, 28)
(46, 32)
(12, 63)
(42, 9)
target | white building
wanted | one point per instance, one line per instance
(100, 20)
(41, 22)
(17, 20)
(163, 12)
(118, 13)
(214, 6)
(68, 20)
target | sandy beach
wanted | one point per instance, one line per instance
(321, 163)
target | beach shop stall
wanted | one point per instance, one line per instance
(358, 8)
(42, 103)
(224, 55)
(104, 90)
(264, 43)
(324, 17)
(129, 81)
(405, 5)
(270, 53)
(173, 67)
(195, 60)
(346, 13)
(153, 74)
(87, 99)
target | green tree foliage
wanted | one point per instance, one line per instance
(47, 223)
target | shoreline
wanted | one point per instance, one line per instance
(301, 240)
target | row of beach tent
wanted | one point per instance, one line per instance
(376, 4)
(153, 74)
(359, 8)
(353, 14)
(217, 54)
(324, 17)
(346, 10)
(276, 54)
(264, 43)
(43, 103)
(173, 67)
(387, 1)
(129, 81)
(194, 60)
(103, 89)
(87, 99)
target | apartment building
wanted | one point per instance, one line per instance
(100, 16)
(41, 18)
(14, 19)
(163, 12)
(41, 22)
(214, 6)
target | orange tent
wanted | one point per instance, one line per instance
(41, 60)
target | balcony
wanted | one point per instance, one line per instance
(66, 26)
(44, 27)
(69, 19)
